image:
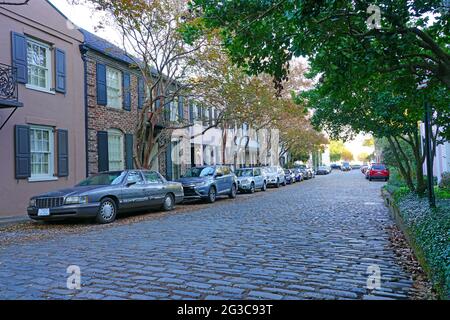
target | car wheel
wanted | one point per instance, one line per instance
(107, 211)
(284, 183)
(232, 194)
(252, 188)
(278, 183)
(264, 187)
(169, 203)
(370, 179)
(212, 194)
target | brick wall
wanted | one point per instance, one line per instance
(102, 118)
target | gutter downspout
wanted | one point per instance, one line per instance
(83, 50)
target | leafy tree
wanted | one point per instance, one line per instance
(364, 157)
(369, 142)
(336, 149)
(347, 155)
(263, 36)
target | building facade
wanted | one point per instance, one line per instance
(41, 104)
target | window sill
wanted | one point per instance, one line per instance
(28, 86)
(42, 179)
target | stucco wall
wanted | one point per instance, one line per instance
(64, 111)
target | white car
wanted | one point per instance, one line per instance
(275, 176)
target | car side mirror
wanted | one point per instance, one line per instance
(131, 183)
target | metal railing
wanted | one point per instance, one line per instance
(8, 83)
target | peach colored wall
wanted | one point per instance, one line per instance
(40, 20)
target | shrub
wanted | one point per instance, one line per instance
(429, 229)
(445, 182)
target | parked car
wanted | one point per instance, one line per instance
(208, 182)
(308, 172)
(346, 166)
(323, 170)
(289, 176)
(275, 176)
(335, 166)
(298, 174)
(104, 195)
(378, 171)
(356, 166)
(250, 179)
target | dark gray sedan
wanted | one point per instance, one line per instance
(104, 195)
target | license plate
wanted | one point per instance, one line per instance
(43, 212)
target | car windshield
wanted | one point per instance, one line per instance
(199, 172)
(287, 171)
(244, 173)
(104, 179)
(378, 167)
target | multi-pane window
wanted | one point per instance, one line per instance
(115, 150)
(114, 87)
(42, 152)
(39, 65)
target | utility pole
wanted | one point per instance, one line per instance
(428, 152)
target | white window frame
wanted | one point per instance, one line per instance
(49, 67)
(117, 133)
(50, 176)
(109, 87)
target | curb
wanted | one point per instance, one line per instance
(11, 220)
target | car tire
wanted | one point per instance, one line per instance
(169, 203)
(233, 192)
(284, 183)
(212, 195)
(264, 187)
(107, 211)
(370, 179)
(252, 188)
(277, 184)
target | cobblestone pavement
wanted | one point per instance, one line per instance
(313, 240)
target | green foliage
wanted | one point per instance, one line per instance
(445, 182)
(443, 194)
(429, 231)
(336, 149)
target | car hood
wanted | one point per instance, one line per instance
(193, 180)
(77, 190)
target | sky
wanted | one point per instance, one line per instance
(84, 17)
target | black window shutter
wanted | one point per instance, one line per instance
(126, 91)
(141, 93)
(180, 109)
(129, 151)
(102, 150)
(169, 161)
(210, 115)
(60, 62)
(191, 113)
(101, 85)
(19, 56)
(22, 152)
(63, 152)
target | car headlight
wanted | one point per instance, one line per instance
(33, 203)
(76, 200)
(201, 184)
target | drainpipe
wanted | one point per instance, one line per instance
(83, 51)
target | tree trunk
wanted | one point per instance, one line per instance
(402, 169)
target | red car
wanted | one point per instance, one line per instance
(378, 171)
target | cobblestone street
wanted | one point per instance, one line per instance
(313, 240)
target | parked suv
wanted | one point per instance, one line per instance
(250, 179)
(275, 176)
(378, 171)
(209, 182)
